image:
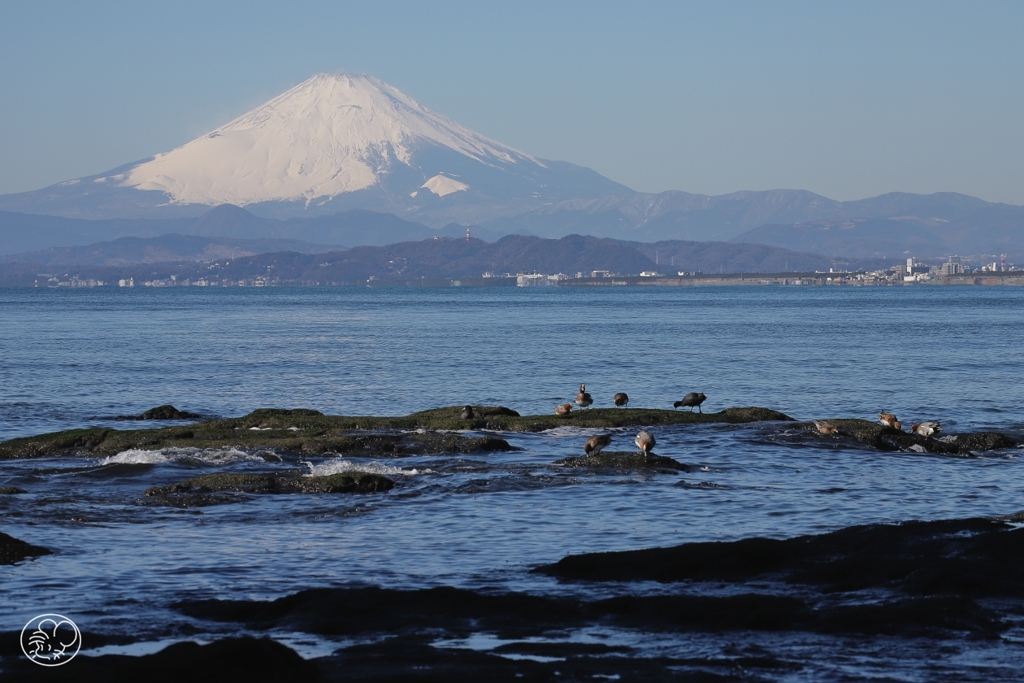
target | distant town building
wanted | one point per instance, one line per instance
(951, 267)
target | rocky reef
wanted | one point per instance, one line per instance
(884, 438)
(14, 550)
(303, 431)
(201, 491)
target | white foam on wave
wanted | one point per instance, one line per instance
(343, 466)
(216, 456)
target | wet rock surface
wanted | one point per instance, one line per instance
(972, 557)
(627, 461)
(10, 490)
(883, 438)
(205, 490)
(13, 550)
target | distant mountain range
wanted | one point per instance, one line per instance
(991, 230)
(433, 258)
(350, 160)
(21, 233)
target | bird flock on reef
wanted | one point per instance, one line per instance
(645, 440)
(887, 419)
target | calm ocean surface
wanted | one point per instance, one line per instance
(71, 358)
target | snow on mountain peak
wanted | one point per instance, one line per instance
(332, 134)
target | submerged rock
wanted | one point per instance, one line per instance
(197, 491)
(888, 439)
(13, 550)
(10, 490)
(629, 460)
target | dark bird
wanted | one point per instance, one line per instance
(889, 420)
(928, 428)
(645, 442)
(583, 399)
(621, 400)
(694, 398)
(563, 409)
(467, 413)
(594, 444)
(825, 427)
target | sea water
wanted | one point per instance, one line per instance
(77, 358)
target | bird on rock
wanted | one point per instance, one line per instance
(694, 398)
(645, 442)
(595, 443)
(825, 427)
(928, 428)
(889, 420)
(467, 413)
(563, 409)
(621, 400)
(583, 399)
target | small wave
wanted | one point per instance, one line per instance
(138, 456)
(342, 466)
(559, 432)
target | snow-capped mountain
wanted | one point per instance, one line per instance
(334, 142)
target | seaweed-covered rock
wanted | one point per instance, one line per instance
(14, 550)
(885, 438)
(69, 442)
(347, 482)
(200, 491)
(625, 460)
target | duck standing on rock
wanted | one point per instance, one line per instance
(621, 400)
(694, 398)
(889, 420)
(467, 413)
(595, 443)
(563, 409)
(825, 427)
(645, 442)
(926, 429)
(583, 399)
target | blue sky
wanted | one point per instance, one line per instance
(849, 100)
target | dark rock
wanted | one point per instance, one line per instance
(165, 412)
(197, 491)
(10, 490)
(971, 557)
(629, 460)
(13, 550)
(363, 612)
(229, 660)
(168, 412)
